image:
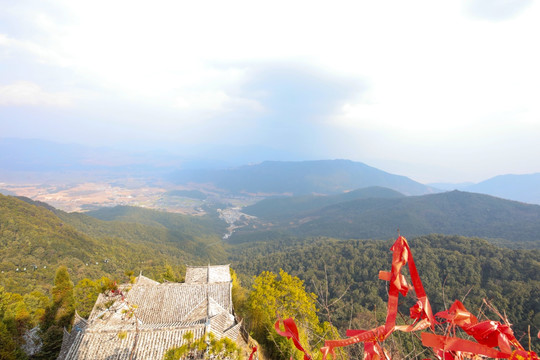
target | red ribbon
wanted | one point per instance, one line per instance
(253, 351)
(447, 345)
(374, 351)
(421, 312)
(458, 315)
(291, 332)
(488, 334)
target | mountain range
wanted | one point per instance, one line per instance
(21, 159)
(302, 178)
(36, 234)
(456, 212)
(525, 188)
(35, 239)
(45, 162)
(286, 207)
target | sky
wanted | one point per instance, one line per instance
(440, 91)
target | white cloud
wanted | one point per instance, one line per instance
(434, 75)
(23, 93)
(40, 53)
(215, 101)
(496, 10)
(4, 40)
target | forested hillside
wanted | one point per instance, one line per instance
(506, 222)
(35, 240)
(197, 236)
(451, 267)
(283, 208)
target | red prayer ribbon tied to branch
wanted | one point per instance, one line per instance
(253, 351)
(489, 334)
(291, 332)
(420, 312)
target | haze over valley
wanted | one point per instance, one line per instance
(79, 178)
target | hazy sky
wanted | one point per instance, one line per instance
(435, 90)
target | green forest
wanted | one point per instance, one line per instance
(343, 274)
(53, 263)
(371, 214)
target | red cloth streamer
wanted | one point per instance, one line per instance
(291, 332)
(374, 351)
(253, 351)
(488, 334)
(356, 336)
(458, 315)
(445, 344)
(493, 333)
(421, 312)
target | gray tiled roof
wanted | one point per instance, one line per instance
(163, 314)
(151, 344)
(208, 274)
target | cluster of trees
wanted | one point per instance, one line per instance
(274, 296)
(207, 347)
(20, 313)
(35, 239)
(344, 276)
(513, 224)
(340, 287)
(341, 290)
(47, 315)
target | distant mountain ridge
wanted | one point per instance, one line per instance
(283, 207)
(452, 213)
(525, 188)
(302, 178)
(21, 158)
(450, 186)
(32, 160)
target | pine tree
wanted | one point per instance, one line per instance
(58, 316)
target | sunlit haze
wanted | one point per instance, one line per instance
(440, 91)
